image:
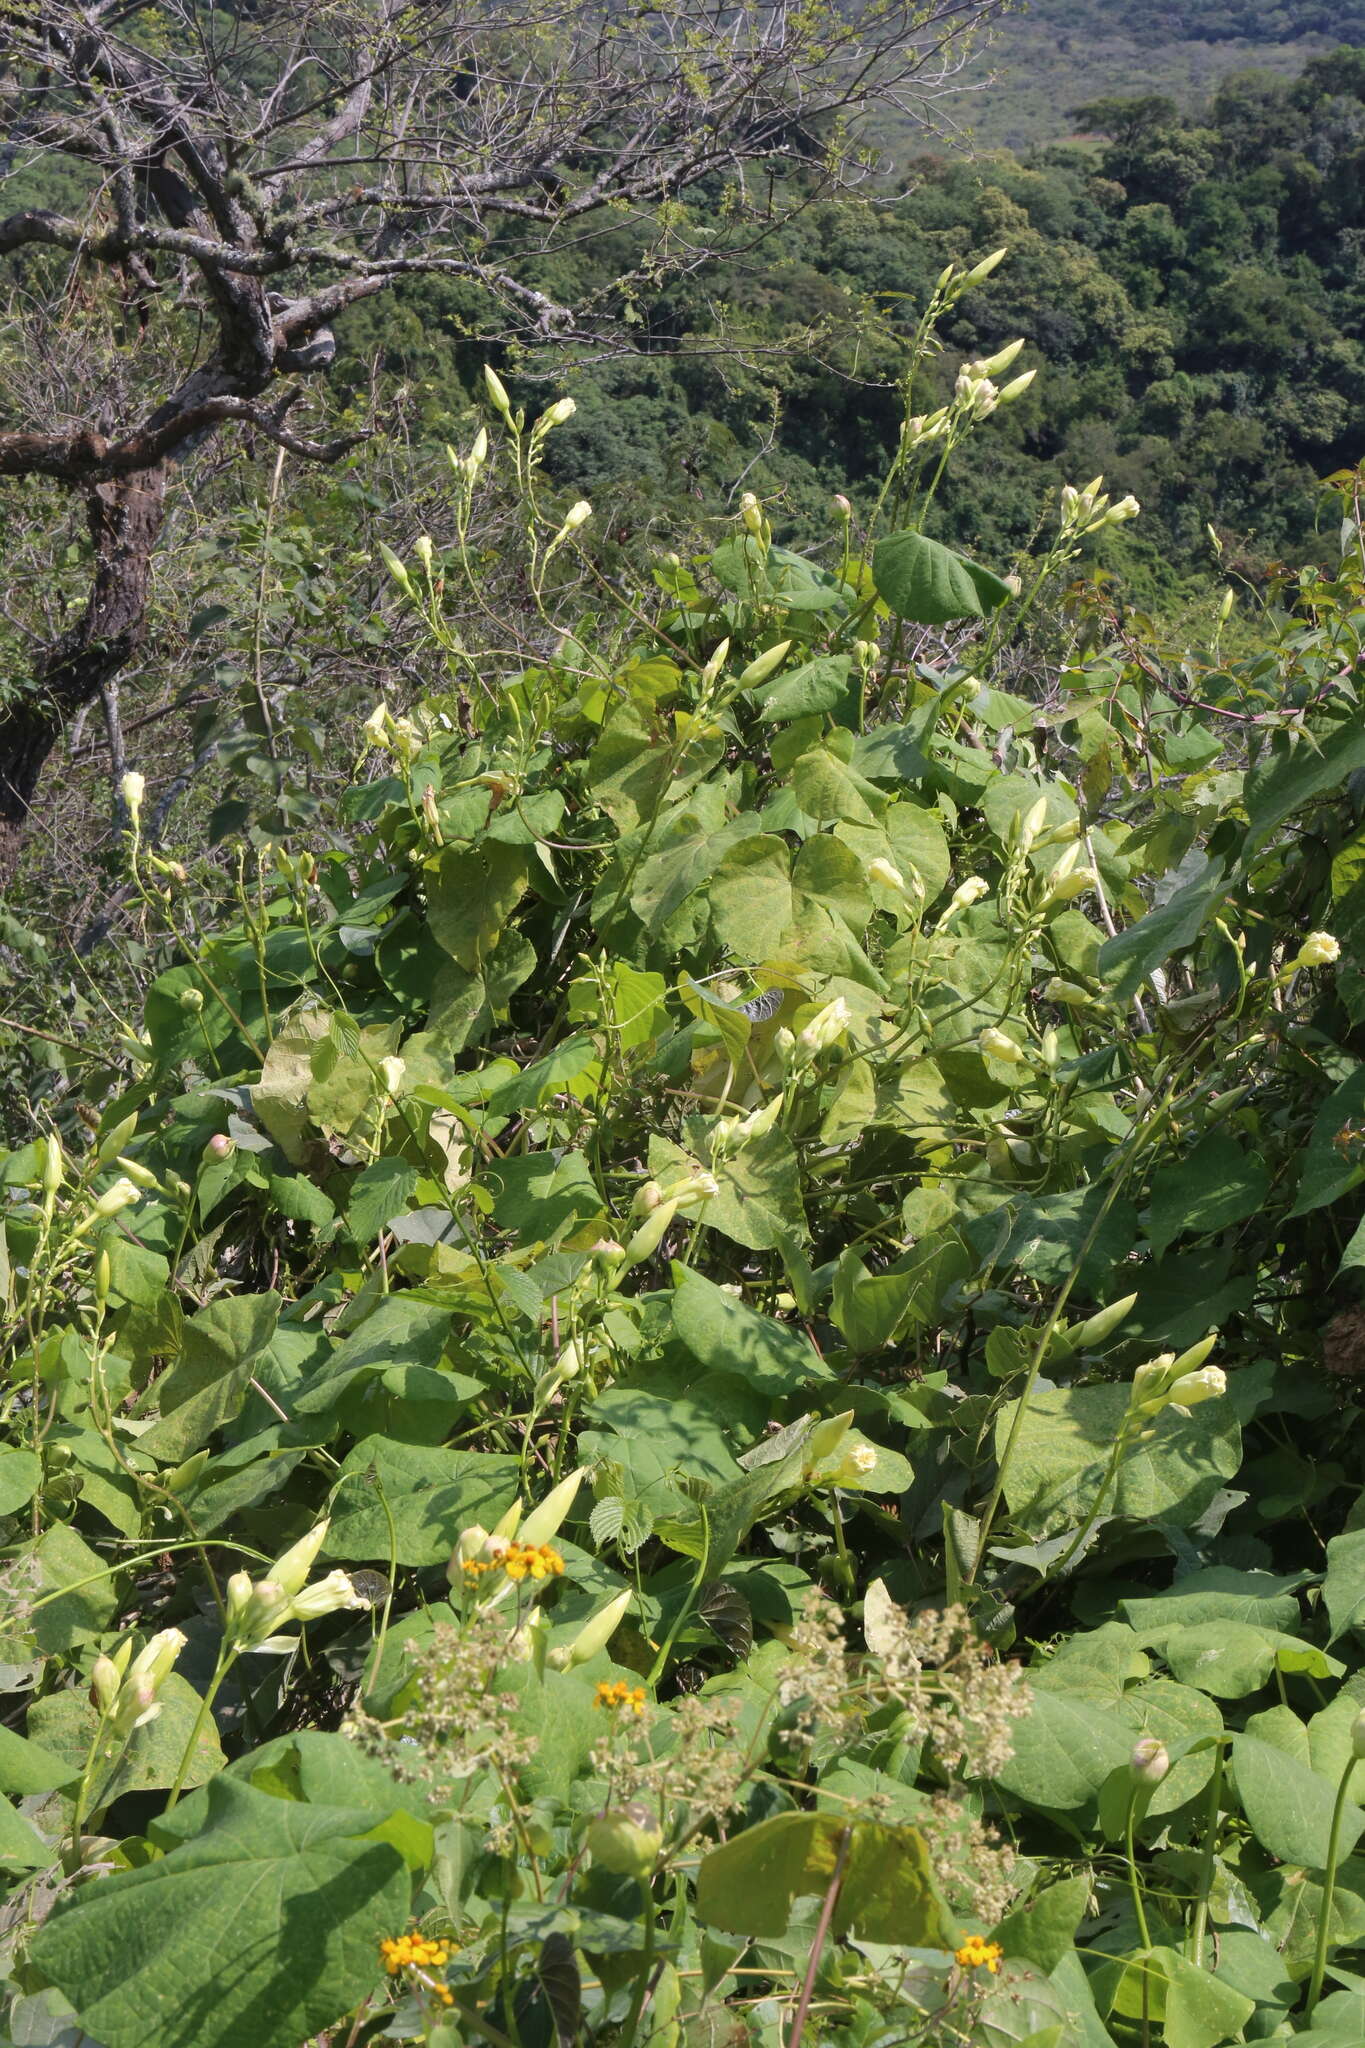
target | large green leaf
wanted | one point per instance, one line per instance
(206, 1385)
(1216, 1184)
(887, 1893)
(725, 1336)
(923, 581)
(1344, 1588)
(1062, 1452)
(259, 1933)
(430, 1493)
(471, 896)
(1063, 1750)
(1288, 1805)
(65, 1723)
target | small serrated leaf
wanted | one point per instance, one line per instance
(607, 1519)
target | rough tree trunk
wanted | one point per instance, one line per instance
(125, 518)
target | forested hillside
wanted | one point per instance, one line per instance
(1049, 56)
(1192, 289)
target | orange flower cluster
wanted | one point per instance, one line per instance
(417, 1952)
(976, 1952)
(532, 1561)
(413, 1952)
(614, 1692)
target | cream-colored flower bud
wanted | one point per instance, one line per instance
(1127, 508)
(104, 1683)
(555, 415)
(121, 1195)
(1210, 1383)
(998, 1045)
(376, 726)
(133, 788)
(1068, 992)
(156, 1659)
(391, 1072)
(141, 1176)
(545, 1522)
(497, 392)
(991, 366)
(760, 669)
(423, 550)
(337, 1590)
(970, 891)
(649, 1236)
(1032, 823)
(1319, 949)
(1067, 880)
(1017, 386)
(238, 1591)
(751, 512)
(397, 568)
(715, 664)
(135, 1707)
(886, 876)
(826, 1027)
(981, 271)
(1150, 1761)
(577, 515)
(841, 505)
(290, 1570)
(1227, 601)
(595, 1633)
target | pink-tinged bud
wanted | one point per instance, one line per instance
(220, 1146)
(1149, 1763)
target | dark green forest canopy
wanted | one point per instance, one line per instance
(1193, 287)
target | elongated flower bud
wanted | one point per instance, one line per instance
(981, 271)
(545, 1521)
(760, 669)
(991, 366)
(595, 1633)
(290, 1570)
(1000, 1046)
(133, 788)
(497, 392)
(325, 1597)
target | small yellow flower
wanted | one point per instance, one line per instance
(614, 1692)
(977, 1953)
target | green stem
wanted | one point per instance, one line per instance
(1204, 1881)
(1329, 1885)
(638, 1995)
(221, 1669)
(1143, 1929)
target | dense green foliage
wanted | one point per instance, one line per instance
(708, 1341)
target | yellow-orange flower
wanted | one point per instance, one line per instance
(977, 1953)
(614, 1692)
(532, 1561)
(413, 1951)
(418, 1953)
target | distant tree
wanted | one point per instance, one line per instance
(266, 166)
